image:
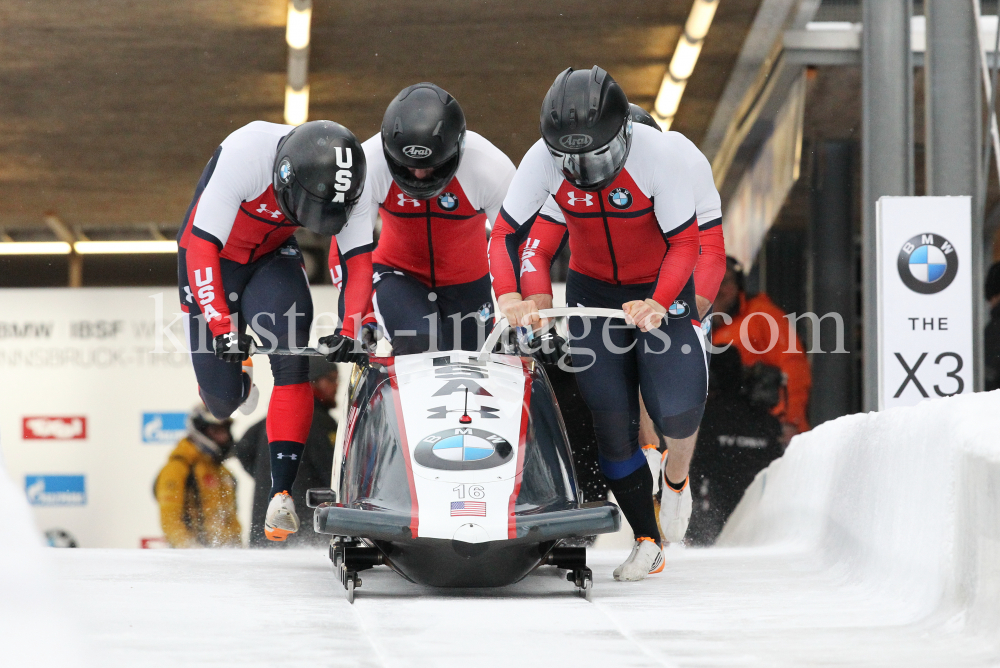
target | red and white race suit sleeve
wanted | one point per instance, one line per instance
(711, 267)
(351, 268)
(669, 183)
(547, 238)
(242, 173)
(532, 183)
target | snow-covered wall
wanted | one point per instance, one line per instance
(906, 502)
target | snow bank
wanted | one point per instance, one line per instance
(35, 627)
(906, 502)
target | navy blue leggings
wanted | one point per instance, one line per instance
(673, 378)
(264, 294)
(411, 311)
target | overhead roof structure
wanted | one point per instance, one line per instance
(110, 110)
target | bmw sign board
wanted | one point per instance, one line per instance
(925, 316)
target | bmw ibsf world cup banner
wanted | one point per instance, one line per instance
(924, 298)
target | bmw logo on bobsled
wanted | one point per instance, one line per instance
(455, 471)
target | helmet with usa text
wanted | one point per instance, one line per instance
(586, 124)
(423, 138)
(319, 175)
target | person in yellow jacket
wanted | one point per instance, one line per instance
(196, 493)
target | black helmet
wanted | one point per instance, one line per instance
(423, 128)
(319, 175)
(587, 127)
(640, 115)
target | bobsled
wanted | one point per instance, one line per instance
(454, 470)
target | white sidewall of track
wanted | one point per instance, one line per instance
(905, 502)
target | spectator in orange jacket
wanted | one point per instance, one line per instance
(751, 332)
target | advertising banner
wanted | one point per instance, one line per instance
(924, 298)
(89, 412)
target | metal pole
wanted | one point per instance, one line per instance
(833, 279)
(886, 149)
(954, 127)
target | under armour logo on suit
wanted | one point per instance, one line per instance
(403, 199)
(263, 209)
(572, 199)
(282, 455)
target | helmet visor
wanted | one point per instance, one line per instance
(317, 215)
(595, 169)
(431, 184)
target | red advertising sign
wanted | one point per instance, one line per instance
(55, 428)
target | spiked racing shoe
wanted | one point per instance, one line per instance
(645, 559)
(281, 520)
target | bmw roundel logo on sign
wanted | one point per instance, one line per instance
(463, 449)
(927, 263)
(448, 201)
(415, 151)
(620, 198)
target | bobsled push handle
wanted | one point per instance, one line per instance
(278, 350)
(563, 311)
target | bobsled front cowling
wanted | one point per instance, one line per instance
(459, 470)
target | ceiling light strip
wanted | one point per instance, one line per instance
(297, 36)
(117, 247)
(682, 64)
(34, 248)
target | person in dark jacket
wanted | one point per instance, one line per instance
(991, 338)
(737, 440)
(315, 468)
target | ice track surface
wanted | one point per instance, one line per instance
(875, 541)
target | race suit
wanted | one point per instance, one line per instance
(239, 265)
(431, 274)
(635, 239)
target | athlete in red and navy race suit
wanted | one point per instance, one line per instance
(549, 234)
(634, 240)
(239, 265)
(431, 257)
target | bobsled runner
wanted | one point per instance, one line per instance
(454, 470)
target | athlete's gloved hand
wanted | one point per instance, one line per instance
(370, 335)
(340, 348)
(552, 349)
(234, 347)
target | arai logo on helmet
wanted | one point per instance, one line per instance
(575, 141)
(285, 171)
(418, 152)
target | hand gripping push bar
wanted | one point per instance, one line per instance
(491, 341)
(563, 311)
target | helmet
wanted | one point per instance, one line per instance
(423, 128)
(587, 127)
(319, 175)
(197, 423)
(640, 115)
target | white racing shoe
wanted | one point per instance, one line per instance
(281, 520)
(249, 404)
(645, 559)
(675, 507)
